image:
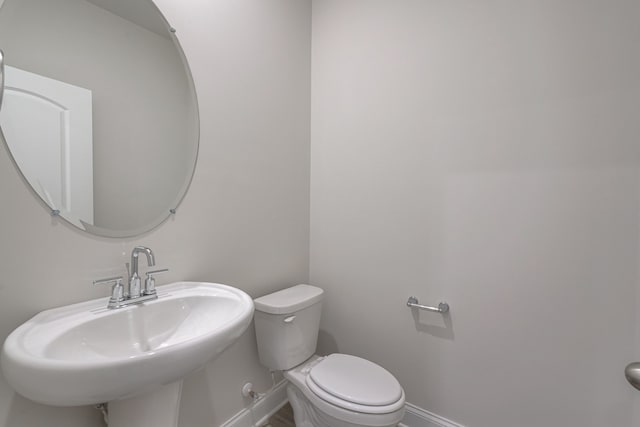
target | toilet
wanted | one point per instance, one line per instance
(338, 390)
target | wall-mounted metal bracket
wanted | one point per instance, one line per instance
(443, 307)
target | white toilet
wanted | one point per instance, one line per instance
(338, 390)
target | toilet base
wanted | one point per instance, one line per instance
(309, 410)
(305, 414)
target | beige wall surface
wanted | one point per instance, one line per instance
(244, 222)
(485, 153)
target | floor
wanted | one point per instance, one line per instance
(282, 418)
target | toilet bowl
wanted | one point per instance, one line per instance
(338, 390)
(347, 391)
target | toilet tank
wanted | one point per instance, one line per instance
(287, 324)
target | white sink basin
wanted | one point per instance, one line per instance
(85, 354)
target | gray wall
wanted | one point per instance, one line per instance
(244, 222)
(485, 153)
(481, 153)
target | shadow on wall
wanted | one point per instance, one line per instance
(438, 325)
(326, 343)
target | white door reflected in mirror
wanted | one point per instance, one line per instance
(48, 127)
(144, 118)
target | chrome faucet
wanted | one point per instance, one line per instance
(133, 290)
(133, 295)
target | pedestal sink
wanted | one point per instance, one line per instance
(133, 357)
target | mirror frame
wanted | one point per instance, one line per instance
(184, 188)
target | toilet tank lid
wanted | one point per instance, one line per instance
(289, 300)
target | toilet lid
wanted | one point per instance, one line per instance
(356, 380)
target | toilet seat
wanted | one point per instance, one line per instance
(341, 411)
(355, 384)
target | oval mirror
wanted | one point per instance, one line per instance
(99, 110)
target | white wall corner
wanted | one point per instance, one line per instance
(259, 413)
(418, 417)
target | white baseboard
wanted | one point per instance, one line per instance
(276, 398)
(418, 417)
(260, 412)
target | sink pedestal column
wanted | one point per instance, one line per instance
(158, 408)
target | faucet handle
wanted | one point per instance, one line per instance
(117, 290)
(108, 281)
(150, 281)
